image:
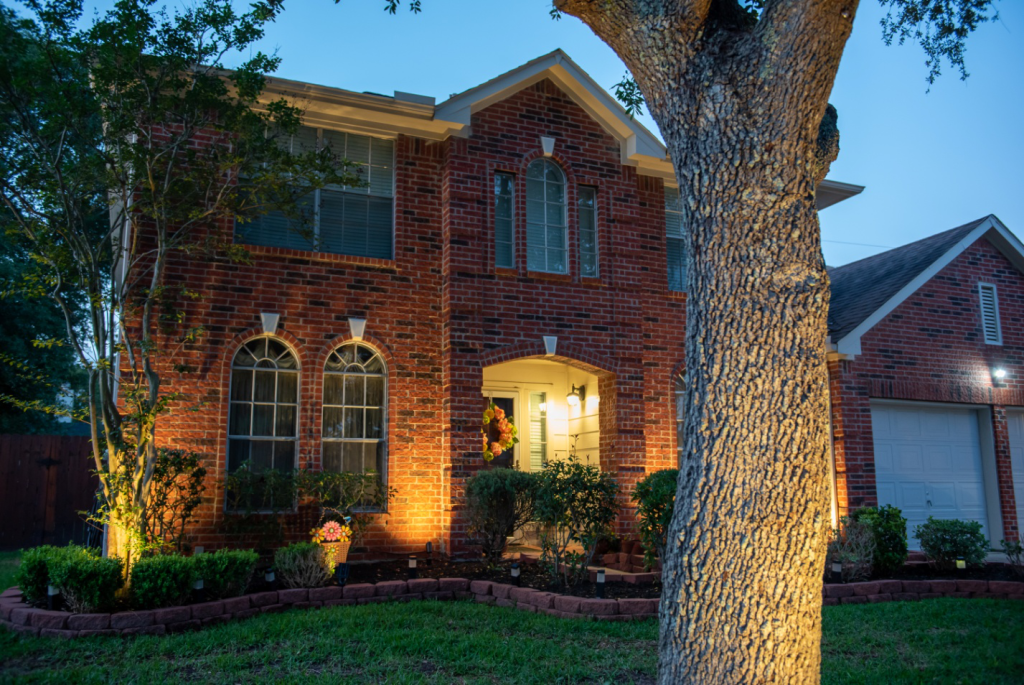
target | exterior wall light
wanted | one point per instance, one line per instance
(576, 395)
(999, 377)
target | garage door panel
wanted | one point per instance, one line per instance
(928, 463)
(1015, 421)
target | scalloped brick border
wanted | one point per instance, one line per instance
(18, 616)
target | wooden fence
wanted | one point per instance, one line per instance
(45, 481)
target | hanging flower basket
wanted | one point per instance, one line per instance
(335, 539)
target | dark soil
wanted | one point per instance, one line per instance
(532, 575)
(927, 572)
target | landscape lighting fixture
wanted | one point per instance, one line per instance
(599, 590)
(413, 573)
(576, 395)
(515, 573)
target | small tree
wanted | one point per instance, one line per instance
(121, 141)
(576, 503)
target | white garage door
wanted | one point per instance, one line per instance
(928, 463)
(1016, 425)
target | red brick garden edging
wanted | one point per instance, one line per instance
(20, 617)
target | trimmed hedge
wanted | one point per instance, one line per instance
(163, 581)
(88, 582)
(226, 572)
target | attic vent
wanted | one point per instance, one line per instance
(990, 314)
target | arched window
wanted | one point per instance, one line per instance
(679, 391)
(263, 415)
(546, 236)
(355, 410)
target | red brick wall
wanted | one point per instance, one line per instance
(931, 348)
(440, 311)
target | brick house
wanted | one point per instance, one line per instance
(521, 242)
(926, 351)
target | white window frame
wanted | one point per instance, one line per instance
(579, 214)
(544, 162)
(382, 442)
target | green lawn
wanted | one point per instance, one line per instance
(8, 567)
(937, 641)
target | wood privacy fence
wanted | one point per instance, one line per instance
(45, 481)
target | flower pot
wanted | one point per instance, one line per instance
(336, 552)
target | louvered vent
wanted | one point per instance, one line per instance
(990, 314)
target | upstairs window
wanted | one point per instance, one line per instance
(588, 231)
(356, 221)
(990, 326)
(546, 235)
(504, 233)
(675, 246)
(355, 417)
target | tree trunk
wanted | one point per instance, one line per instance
(739, 104)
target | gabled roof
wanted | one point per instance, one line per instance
(866, 291)
(417, 115)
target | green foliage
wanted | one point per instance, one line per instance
(890, 531)
(164, 580)
(256, 501)
(655, 498)
(355, 498)
(34, 573)
(1014, 552)
(88, 583)
(498, 503)
(302, 565)
(853, 546)
(940, 26)
(576, 504)
(946, 540)
(176, 492)
(226, 572)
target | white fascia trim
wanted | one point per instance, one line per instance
(1006, 242)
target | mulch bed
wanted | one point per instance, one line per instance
(531, 575)
(926, 572)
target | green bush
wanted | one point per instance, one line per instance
(498, 503)
(946, 540)
(890, 530)
(655, 498)
(34, 573)
(88, 583)
(227, 572)
(852, 545)
(576, 504)
(163, 581)
(302, 565)
(1014, 552)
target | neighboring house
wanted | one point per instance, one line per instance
(927, 377)
(520, 242)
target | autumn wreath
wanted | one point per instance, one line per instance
(499, 433)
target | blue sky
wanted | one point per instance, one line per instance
(930, 161)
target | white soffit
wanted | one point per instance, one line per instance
(992, 229)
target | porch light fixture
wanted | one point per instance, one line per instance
(600, 584)
(413, 573)
(515, 573)
(576, 395)
(999, 377)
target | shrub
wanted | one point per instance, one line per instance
(88, 583)
(1014, 552)
(655, 498)
(576, 504)
(175, 494)
(302, 565)
(227, 572)
(33, 574)
(498, 503)
(890, 531)
(163, 581)
(946, 540)
(853, 546)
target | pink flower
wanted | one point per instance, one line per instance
(496, 449)
(332, 531)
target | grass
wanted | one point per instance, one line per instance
(936, 641)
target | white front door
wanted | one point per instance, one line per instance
(1015, 422)
(928, 463)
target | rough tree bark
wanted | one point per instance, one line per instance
(739, 103)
